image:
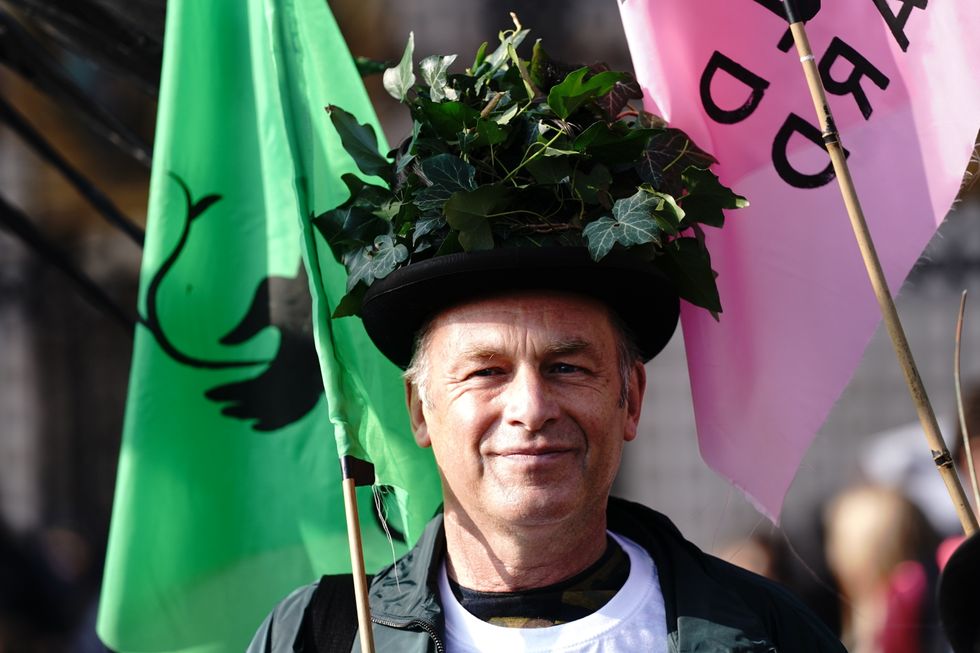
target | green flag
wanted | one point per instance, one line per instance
(228, 492)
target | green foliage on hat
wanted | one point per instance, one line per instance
(515, 153)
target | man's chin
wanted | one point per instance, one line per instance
(539, 507)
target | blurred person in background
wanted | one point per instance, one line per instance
(34, 613)
(776, 556)
(44, 592)
(880, 549)
(760, 553)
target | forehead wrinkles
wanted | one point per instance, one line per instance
(557, 347)
(545, 325)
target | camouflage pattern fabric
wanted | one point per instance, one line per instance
(556, 604)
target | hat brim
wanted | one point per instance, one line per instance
(396, 307)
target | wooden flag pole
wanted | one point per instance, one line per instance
(352, 471)
(961, 411)
(940, 455)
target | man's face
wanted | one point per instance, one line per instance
(523, 407)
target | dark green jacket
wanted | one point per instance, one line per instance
(711, 605)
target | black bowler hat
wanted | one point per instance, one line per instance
(959, 597)
(396, 307)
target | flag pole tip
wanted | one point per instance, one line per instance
(361, 471)
(792, 15)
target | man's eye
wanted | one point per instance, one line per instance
(487, 371)
(565, 368)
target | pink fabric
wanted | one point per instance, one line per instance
(798, 306)
(902, 629)
(947, 548)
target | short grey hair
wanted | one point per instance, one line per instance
(627, 351)
(417, 372)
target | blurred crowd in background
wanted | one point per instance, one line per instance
(866, 528)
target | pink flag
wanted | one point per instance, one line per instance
(903, 82)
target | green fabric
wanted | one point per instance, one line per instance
(228, 492)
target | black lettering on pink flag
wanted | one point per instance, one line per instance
(805, 10)
(757, 85)
(896, 22)
(780, 154)
(851, 85)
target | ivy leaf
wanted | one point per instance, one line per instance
(468, 212)
(600, 236)
(687, 264)
(706, 197)
(350, 304)
(361, 143)
(490, 132)
(387, 255)
(348, 226)
(374, 261)
(624, 90)
(354, 222)
(444, 175)
(367, 67)
(639, 205)
(546, 72)
(501, 52)
(406, 153)
(450, 244)
(610, 146)
(426, 226)
(667, 155)
(649, 120)
(551, 170)
(449, 172)
(630, 225)
(448, 118)
(589, 185)
(668, 215)
(399, 79)
(554, 152)
(358, 263)
(504, 118)
(486, 69)
(486, 133)
(575, 90)
(481, 54)
(434, 71)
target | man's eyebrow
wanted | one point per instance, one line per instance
(557, 348)
(479, 352)
(572, 346)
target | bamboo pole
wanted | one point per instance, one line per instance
(357, 567)
(365, 631)
(927, 417)
(964, 427)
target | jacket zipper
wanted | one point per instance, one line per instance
(429, 628)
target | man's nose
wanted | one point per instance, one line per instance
(530, 401)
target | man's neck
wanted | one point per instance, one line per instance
(488, 559)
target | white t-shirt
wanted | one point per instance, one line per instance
(633, 620)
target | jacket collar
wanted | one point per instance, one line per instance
(408, 590)
(697, 588)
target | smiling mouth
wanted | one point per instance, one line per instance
(532, 456)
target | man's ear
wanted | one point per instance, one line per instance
(416, 415)
(634, 399)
